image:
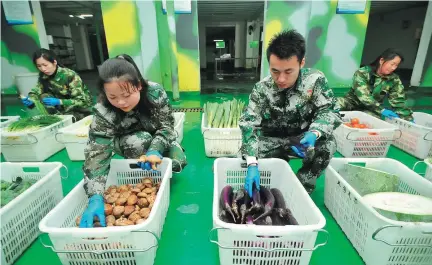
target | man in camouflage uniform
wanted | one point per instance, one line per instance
(63, 93)
(369, 90)
(287, 112)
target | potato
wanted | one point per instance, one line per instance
(115, 195)
(134, 217)
(142, 195)
(118, 211)
(123, 222)
(145, 212)
(125, 194)
(139, 221)
(110, 224)
(97, 224)
(151, 198)
(112, 191)
(153, 194)
(154, 189)
(147, 190)
(151, 205)
(120, 201)
(130, 186)
(158, 185)
(135, 191)
(140, 186)
(110, 219)
(123, 188)
(78, 220)
(142, 202)
(148, 182)
(128, 210)
(108, 209)
(132, 200)
(95, 219)
(111, 199)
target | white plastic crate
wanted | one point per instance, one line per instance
(267, 245)
(135, 245)
(75, 137)
(355, 142)
(33, 146)
(416, 138)
(220, 142)
(179, 118)
(428, 173)
(377, 239)
(21, 216)
(6, 120)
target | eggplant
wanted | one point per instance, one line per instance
(284, 214)
(256, 202)
(226, 200)
(267, 195)
(244, 207)
(249, 220)
(276, 219)
(225, 217)
(238, 198)
(290, 217)
(264, 221)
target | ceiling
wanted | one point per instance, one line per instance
(229, 11)
(381, 7)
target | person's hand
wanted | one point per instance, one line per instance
(51, 101)
(27, 102)
(144, 165)
(389, 114)
(252, 176)
(153, 157)
(308, 139)
(96, 207)
(298, 151)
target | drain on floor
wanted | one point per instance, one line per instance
(188, 109)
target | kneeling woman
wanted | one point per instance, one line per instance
(132, 118)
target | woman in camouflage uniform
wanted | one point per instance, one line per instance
(371, 84)
(60, 89)
(133, 118)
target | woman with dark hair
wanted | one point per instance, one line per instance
(60, 89)
(132, 118)
(371, 84)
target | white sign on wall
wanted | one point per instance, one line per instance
(351, 6)
(17, 12)
(180, 6)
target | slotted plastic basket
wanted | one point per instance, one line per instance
(6, 120)
(428, 173)
(253, 244)
(33, 146)
(416, 137)
(21, 216)
(374, 142)
(220, 142)
(377, 239)
(75, 137)
(179, 119)
(135, 245)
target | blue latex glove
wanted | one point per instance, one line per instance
(150, 160)
(144, 165)
(51, 101)
(308, 139)
(413, 121)
(252, 176)
(95, 207)
(389, 114)
(298, 150)
(27, 102)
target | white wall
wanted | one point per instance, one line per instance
(254, 36)
(240, 44)
(385, 31)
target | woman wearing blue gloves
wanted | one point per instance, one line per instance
(134, 119)
(60, 89)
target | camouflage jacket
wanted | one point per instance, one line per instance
(67, 86)
(108, 125)
(372, 98)
(309, 105)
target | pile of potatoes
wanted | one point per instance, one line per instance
(128, 204)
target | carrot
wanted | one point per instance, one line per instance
(270, 201)
(226, 200)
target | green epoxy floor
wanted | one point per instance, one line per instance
(184, 239)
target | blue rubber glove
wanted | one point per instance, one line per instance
(252, 176)
(298, 150)
(389, 114)
(152, 158)
(96, 207)
(144, 165)
(51, 101)
(413, 121)
(27, 102)
(308, 139)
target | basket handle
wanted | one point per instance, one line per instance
(375, 133)
(67, 172)
(415, 165)
(424, 138)
(267, 249)
(101, 252)
(29, 134)
(398, 245)
(63, 142)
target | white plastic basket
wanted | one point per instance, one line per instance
(377, 239)
(416, 138)
(179, 118)
(428, 173)
(6, 120)
(115, 245)
(220, 142)
(75, 137)
(21, 216)
(249, 244)
(354, 142)
(33, 146)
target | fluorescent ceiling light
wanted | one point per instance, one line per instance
(217, 40)
(71, 16)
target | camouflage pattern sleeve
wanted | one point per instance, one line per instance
(250, 122)
(98, 153)
(327, 117)
(364, 94)
(80, 95)
(36, 91)
(397, 100)
(162, 113)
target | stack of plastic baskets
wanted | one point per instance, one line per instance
(21, 216)
(416, 137)
(220, 142)
(257, 244)
(75, 137)
(33, 146)
(179, 118)
(114, 245)
(377, 239)
(371, 142)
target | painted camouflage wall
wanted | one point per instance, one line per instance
(323, 29)
(18, 43)
(426, 80)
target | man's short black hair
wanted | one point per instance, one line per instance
(287, 44)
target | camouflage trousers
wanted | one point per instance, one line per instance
(347, 104)
(313, 166)
(134, 145)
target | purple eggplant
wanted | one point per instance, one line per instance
(264, 221)
(276, 219)
(225, 217)
(249, 220)
(226, 198)
(269, 202)
(244, 207)
(256, 202)
(238, 198)
(284, 214)
(290, 217)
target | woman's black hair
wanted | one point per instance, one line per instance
(387, 55)
(123, 68)
(51, 57)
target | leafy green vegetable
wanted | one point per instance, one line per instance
(33, 123)
(11, 190)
